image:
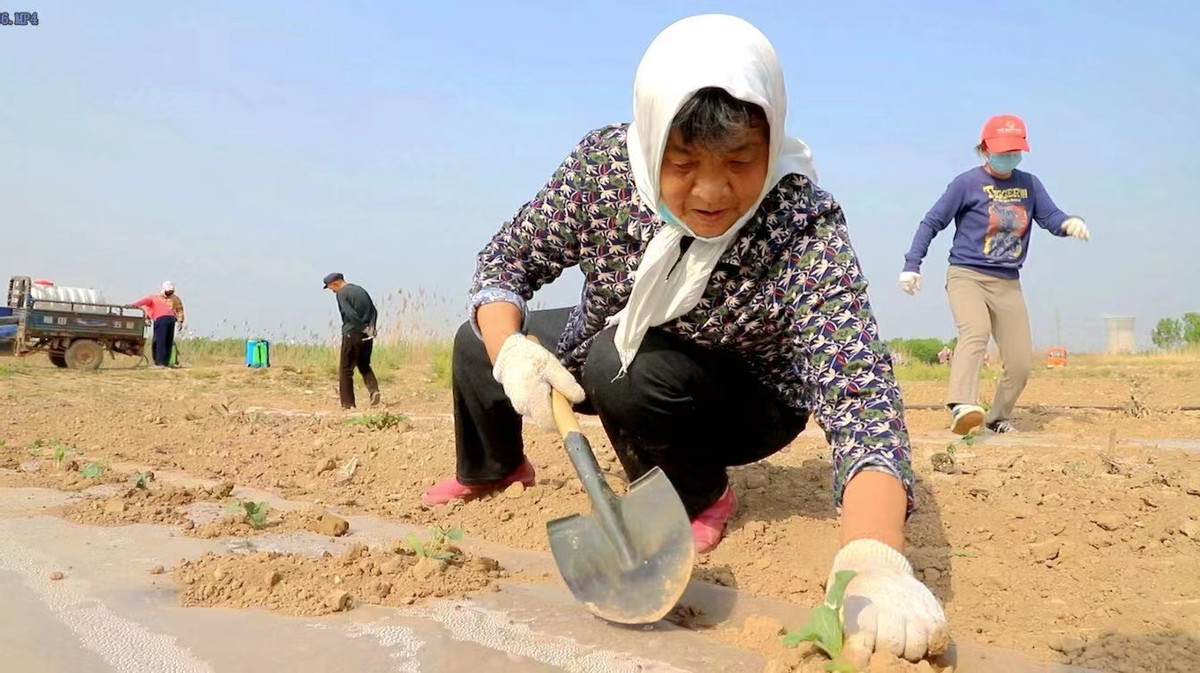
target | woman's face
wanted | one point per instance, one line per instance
(710, 189)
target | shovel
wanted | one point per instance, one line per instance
(630, 560)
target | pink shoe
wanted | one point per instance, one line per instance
(451, 489)
(709, 526)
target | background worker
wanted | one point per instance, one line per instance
(160, 309)
(992, 206)
(359, 318)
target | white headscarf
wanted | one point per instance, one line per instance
(168, 286)
(711, 50)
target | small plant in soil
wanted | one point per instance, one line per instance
(944, 461)
(434, 546)
(255, 513)
(61, 451)
(824, 627)
(947, 461)
(381, 421)
(36, 449)
(142, 480)
(92, 470)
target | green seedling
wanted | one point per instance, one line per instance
(440, 536)
(255, 512)
(969, 440)
(381, 421)
(92, 470)
(36, 449)
(824, 627)
(61, 451)
(141, 480)
(433, 547)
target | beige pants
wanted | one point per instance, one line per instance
(986, 306)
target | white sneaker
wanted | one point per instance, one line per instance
(1000, 427)
(966, 417)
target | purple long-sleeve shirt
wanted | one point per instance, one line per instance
(991, 217)
(788, 296)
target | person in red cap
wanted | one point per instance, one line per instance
(992, 206)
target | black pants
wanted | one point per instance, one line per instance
(690, 411)
(356, 352)
(164, 339)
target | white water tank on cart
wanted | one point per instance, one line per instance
(61, 297)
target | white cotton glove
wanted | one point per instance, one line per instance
(886, 608)
(910, 282)
(528, 372)
(1075, 226)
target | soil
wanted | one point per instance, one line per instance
(1078, 530)
(305, 585)
(172, 505)
(1170, 652)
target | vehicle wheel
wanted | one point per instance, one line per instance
(84, 354)
(58, 359)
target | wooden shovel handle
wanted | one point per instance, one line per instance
(564, 413)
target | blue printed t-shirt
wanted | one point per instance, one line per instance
(992, 217)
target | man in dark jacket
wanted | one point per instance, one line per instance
(358, 337)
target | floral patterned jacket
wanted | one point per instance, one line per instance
(788, 296)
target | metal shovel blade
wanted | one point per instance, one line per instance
(631, 558)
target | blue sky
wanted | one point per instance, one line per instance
(243, 150)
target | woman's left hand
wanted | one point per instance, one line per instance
(886, 608)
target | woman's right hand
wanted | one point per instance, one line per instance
(528, 372)
(910, 282)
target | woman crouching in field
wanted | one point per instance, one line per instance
(722, 303)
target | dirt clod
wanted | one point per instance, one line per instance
(339, 601)
(427, 568)
(1045, 551)
(56, 575)
(331, 524)
(762, 629)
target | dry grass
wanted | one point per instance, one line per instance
(416, 328)
(1174, 364)
(205, 357)
(9, 369)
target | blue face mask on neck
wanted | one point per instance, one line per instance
(1004, 162)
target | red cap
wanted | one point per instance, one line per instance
(1004, 133)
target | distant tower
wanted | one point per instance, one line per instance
(1120, 334)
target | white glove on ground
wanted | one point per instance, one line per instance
(910, 282)
(528, 372)
(886, 608)
(1075, 226)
